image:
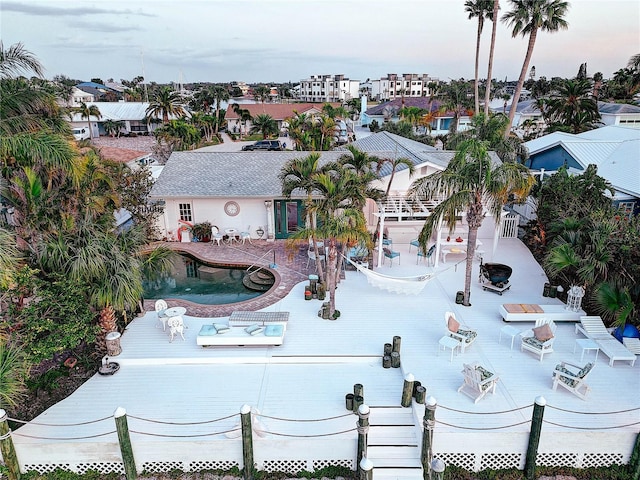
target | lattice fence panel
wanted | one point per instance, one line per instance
(601, 459)
(101, 467)
(497, 461)
(557, 459)
(47, 468)
(285, 466)
(212, 465)
(160, 467)
(462, 460)
(347, 463)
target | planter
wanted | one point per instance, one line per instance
(70, 362)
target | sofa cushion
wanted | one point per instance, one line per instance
(207, 331)
(453, 325)
(273, 330)
(221, 327)
(543, 333)
(254, 329)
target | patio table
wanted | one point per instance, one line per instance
(232, 235)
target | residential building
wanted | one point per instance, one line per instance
(329, 88)
(406, 85)
(613, 149)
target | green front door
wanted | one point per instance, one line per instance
(289, 216)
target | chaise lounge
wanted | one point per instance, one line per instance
(246, 328)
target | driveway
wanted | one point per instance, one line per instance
(229, 145)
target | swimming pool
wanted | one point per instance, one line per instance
(198, 282)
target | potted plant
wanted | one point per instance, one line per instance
(201, 232)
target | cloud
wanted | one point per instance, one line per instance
(104, 27)
(47, 10)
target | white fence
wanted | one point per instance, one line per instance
(509, 226)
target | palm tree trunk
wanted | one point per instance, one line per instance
(487, 93)
(523, 75)
(475, 83)
(331, 277)
(471, 251)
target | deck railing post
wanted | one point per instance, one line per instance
(122, 426)
(366, 469)
(407, 390)
(363, 433)
(358, 393)
(437, 469)
(247, 442)
(8, 449)
(429, 422)
(534, 438)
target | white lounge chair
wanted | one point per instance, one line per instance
(216, 236)
(594, 328)
(478, 381)
(539, 339)
(572, 377)
(464, 335)
(632, 344)
(176, 325)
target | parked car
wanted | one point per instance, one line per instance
(271, 145)
(81, 133)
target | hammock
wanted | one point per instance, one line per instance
(406, 285)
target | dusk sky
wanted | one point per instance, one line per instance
(289, 40)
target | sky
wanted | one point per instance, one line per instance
(289, 40)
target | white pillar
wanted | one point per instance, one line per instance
(268, 204)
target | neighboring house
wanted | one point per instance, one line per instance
(615, 150)
(388, 112)
(99, 91)
(280, 112)
(396, 86)
(328, 88)
(133, 114)
(210, 186)
(80, 96)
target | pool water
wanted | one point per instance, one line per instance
(197, 282)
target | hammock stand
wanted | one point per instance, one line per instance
(404, 285)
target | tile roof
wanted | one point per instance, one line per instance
(226, 174)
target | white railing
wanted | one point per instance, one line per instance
(509, 226)
(527, 210)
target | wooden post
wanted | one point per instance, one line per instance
(357, 401)
(407, 390)
(247, 442)
(363, 432)
(534, 438)
(395, 359)
(122, 426)
(388, 349)
(8, 449)
(634, 463)
(386, 361)
(396, 344)
(437, 469)
(366, 469)
(429, 422)
(416, 384)
(358, 389)
(421, 394)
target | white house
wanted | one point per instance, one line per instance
(406, 85)
(328, 88)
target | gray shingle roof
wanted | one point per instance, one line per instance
(226, 174)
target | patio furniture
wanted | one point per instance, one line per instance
(529, 312)
(428, 255)
(509, 331)
(232, 235)
(585, 345)
(272, 334)
(216, 236)
(160, 307)
(246, 235)
(390, 254)
(450, 343)
(478, 381)
(414, 243)
(464, 336)
(242, 318)
(451, 251)
(539, 340)
(495, 277)
(572, 377)
(632, 344)
(176, 325)
(593, 327)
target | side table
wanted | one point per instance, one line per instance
(448, 342)
(509, 331)
(586, 344)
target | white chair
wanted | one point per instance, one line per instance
(428, 255)
(572, 377)
(390, 254)
(176, 325)
(160, 308)
(464, 336)
(539, 340)
(478, 381)
(216, 236)
(246, 235)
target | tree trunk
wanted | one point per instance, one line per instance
(474, 220)
(523, 75)
(475, 83)
(487, 93)
(331, 277)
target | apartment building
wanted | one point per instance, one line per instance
(395, 86)
(328, 88)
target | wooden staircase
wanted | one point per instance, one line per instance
(393, 444)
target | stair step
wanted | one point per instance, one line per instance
(397, 473)
(394, 452)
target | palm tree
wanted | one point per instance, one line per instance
(261, 93)
(16, 60)
(264, 124)
(572, 108)
(220, 94)
(494, 27)
(166, 102)
(456, 100)
(113, 127)
(527, 17)
(471, 182)
(479, 9)
(88, 111)
(243, 114)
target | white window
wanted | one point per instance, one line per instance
(185, 212)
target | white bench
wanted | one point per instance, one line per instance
(237, 336)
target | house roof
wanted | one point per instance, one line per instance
(617, 108)
(118, 111)
(278, 111)
(226, 174)
(613, 149)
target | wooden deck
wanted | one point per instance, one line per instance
(309, 375)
